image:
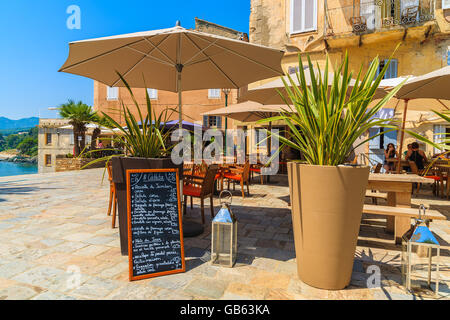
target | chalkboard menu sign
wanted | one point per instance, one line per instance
(155, 235)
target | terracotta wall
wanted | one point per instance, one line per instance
(194, 103)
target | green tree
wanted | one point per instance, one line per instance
(79, 115)
(28, 146)
(12, 141)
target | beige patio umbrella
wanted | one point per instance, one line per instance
(174, 59)
(269, 93)
(248, 111)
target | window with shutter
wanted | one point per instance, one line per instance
(205, 121)
(391, 72)
(48, 138)
(374, 143)
(390, 137)
(112, 93)
(438, 136)
(219, 122)
(303, 16)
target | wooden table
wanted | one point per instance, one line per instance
(445, 168)
(398, 188)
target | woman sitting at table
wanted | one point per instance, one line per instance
(416, 155)
(390, 153)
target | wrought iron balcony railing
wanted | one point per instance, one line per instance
(365, 16)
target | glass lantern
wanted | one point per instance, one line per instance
(224, 235)
(419, 249)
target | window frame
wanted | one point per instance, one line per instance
(383, 63)
(108, 88)
(217, 120)
(303, 30)
(48, 163)
(46, 136)
(155, 97)
(214, 96)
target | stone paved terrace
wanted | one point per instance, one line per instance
(51, 224)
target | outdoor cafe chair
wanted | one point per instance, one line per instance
(240, 174)
(200, 187)
(112, 196)
(437, 177)
(256, 168)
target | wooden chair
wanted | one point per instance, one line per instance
(112, 196)
(256, 168)
(438, 179)
(241, 174)
(188, 168)
(195, 189)
(374, 194)
(377, 168)
(359, 24)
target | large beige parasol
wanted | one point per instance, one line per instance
(174, 59)
(248, 111)
(269, 93)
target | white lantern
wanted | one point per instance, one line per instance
(420, 257)
(224, 235)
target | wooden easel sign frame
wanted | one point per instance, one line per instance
(132, 184)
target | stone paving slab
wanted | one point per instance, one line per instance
(56, 242)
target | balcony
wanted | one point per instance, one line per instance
(351, 18)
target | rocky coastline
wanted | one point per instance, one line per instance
(18, 158)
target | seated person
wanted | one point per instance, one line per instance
(417, 155)
(390, 153)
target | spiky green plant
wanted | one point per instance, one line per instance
(326, 121)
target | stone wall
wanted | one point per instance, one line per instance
(213, 28)
(73, 164)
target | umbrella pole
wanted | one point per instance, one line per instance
(190, 229)
(402, 136)
(180, 101)
(269, 146)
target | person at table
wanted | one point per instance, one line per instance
(390, 153)
(417, 155)
(409, 147)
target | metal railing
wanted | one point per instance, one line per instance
(365, 16)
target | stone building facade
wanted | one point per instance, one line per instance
(52, 142)
(362, 28)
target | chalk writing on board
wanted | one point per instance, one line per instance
(156, 245)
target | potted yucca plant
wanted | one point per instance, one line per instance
(327, 196)
(145, 142)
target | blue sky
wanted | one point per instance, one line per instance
(35, 41)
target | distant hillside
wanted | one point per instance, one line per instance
(6, 124)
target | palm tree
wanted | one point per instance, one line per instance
(79, 115)
(100, 121)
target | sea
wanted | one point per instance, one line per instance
(15, 168)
